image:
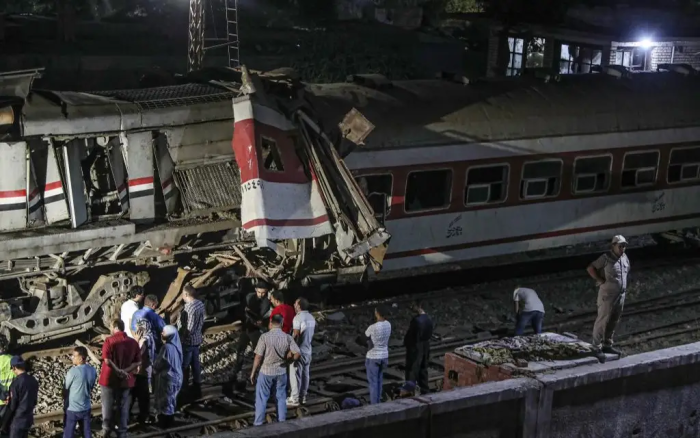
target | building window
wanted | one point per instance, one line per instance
(486, 185)
(639, 169)
(684, 165)
(271, 158)
(541, 179)
(535, 53)
(377, 190)
(515, 57)
(576, 59)
(592, 174)
(634, 58)
(428, 190)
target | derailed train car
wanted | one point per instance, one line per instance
(454, 172)
(148, 177)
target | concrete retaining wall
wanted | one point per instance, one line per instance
(654, 394)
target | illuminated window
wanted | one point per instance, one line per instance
(684, 165)
(428, 190)
(639, 169)
(272, 160)
(516, 48)
(486, 185)
(592, 174)
(634, 58)
(541, 179)
(576, 59)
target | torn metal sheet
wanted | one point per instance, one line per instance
(18, 83)
(279, 204)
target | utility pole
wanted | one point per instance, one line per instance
(196, 49)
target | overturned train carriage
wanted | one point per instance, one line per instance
(149, 177)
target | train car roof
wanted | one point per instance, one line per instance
(67, 113)
(438, 112)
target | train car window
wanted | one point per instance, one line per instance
(428, 190)
(592, 174)
(639, 169)
(684, 165)
(272, 160)
(541, 179)
(486, 185)
(377, 190)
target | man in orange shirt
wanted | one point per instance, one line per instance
(287, 311)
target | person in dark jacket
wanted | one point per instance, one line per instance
(257, 314)
(24, 392)
(417, 343)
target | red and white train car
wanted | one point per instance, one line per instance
(512, 166)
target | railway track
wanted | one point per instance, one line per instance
(332, 379)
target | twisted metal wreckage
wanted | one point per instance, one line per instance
(121, 182)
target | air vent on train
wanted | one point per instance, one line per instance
(376, 81)
(683, 69)
(616, 71)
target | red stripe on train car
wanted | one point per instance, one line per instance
(286, 222)
(13, 193)
(139, 181)
(53, 185)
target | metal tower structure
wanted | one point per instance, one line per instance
(197, 40)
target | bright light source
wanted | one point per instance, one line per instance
(646, 43)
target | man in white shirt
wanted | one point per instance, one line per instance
(303, 327)
(529, 310)
(377, 358)
(130, 306)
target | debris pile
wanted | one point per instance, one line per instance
(523, 349)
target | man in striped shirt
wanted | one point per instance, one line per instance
(377, 358)
(273, 353)
(190, 325)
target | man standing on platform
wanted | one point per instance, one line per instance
(610, 272)
(148, 311)
(303, 326)
(417, 343)
(121, 356)
(77, 389)
(257, 312)
(24, 392)
(377, 358)
(130, 307)
(273, 353)
(190, 324)
(280, 308)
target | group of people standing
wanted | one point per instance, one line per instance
(281, 337)
(283, 352)
(145, 355)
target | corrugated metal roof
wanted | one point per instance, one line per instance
(437, 112)
(170, 96)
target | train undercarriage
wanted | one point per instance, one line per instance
(101, 192)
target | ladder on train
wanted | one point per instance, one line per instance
(232, 33)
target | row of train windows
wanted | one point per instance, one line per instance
(488, 184)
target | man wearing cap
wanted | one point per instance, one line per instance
(24, 391)
(257, 312)
(610, 273)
